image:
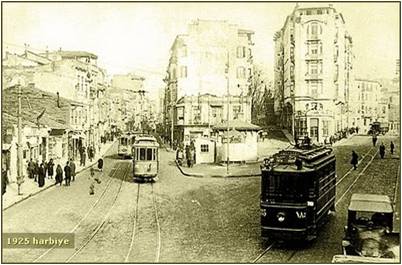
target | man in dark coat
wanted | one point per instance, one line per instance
(382, 151)
(50, 167)
(41, 175)
(36, 170)
(355, 160)
(59, 175)
(374, 138)
(67, 174)
(4, 181)
(392, 146)
(31, 169)
(72, 166)
(83, 157)
(100, 164)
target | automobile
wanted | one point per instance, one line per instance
(368, 233)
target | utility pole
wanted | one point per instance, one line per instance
(172, 126)
(20, 176)
(227, 115)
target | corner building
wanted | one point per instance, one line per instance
(313, 73)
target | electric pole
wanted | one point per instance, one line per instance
(227, 115)
(20, 176)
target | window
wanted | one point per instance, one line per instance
(154, 154)
(196, 114)
(319, 12)
(142, 154)
(325, 126)
(149, 154)
(236, 112)
(241, 52)
(24, 154)
(204, 148)
(308, 12)
(241, 72)
(313, 68)
(183, 71)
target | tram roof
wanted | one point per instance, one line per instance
(370, 203)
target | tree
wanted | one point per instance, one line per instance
(261, 98)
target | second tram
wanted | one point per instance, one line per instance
(125, 142)
(297, 192)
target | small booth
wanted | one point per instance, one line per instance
(242, 140)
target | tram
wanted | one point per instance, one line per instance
(297, 192)
(145, 154)
(125, 141)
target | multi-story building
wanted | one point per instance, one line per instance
(73, 75)
(136, 105)
(367, 104)
(313, 72)
(213, 57)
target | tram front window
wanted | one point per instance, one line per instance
(149, 154)
(142, 153)
(287, 187)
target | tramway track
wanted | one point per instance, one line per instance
(357, 178)
(85, 216)
(137, 225)
(101, 224)
(351, 169)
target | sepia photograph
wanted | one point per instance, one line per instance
(200, 132)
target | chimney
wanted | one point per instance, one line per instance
(58, 99)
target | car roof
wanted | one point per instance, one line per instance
(370, 203)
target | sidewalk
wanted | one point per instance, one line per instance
(30, 188)
(216, 171)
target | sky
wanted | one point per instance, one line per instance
(136, 37)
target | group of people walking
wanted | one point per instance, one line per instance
(188, 153)
(38, 172)
(90, 150)
(355, 156)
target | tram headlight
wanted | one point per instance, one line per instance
(281, 217)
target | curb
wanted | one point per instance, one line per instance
(52, 185)
(213, 176)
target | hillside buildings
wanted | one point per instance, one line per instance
(313, 73)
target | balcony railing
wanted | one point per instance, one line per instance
(311, 56)
(310, 76)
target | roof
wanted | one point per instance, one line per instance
(370, 203)
(33, 102)
(74, 54)
(237, 125)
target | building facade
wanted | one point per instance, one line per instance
(213, 57)
(313, 73)
(368, 104)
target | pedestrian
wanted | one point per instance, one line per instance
(92, 183)
(100, 164)
(72, 166)
(59, 174)
(67, 174)
(41, 176)
(50, 167)
(31, 169)
(36, 170)
(374, 138)
(83, 158)
(382, 151)
(392, 148)
(355, 160)
(91, 153)
(4, 181)
(357, 130)
(298, 163)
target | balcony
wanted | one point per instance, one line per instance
(313, 56)
(310, 76)
(313, 37)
